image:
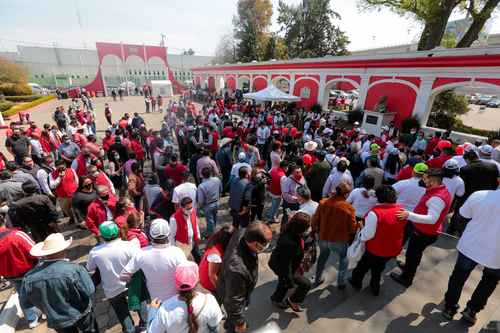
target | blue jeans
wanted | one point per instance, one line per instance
(273, 211)
(210, 212)
(30, 314)
(340, 248)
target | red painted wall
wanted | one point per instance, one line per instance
(400, 99)
(231, 83)
(259, 83)
(211, 83)
(313, 96)
(97, 85)
(442, 81)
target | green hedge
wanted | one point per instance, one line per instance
(15, 89)
(25, 106)
(5, 105)
(460, 127)
(17, 99)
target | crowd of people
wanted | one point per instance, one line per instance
(140, 192)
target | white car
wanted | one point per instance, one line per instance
(38, 89)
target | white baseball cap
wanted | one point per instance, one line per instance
(159, 229)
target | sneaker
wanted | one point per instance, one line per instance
(449, 312)
(400, 279)
(469, 316)
(34, 323)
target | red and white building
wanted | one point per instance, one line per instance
(410, 80)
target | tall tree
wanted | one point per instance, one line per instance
(225, 51)
(309, 30)
(276, 48)
(479, 18)
(251, 28)
(11, 72)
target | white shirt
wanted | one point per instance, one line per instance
(158, 263)
(435, 206)
(184, 190)
(334, 180)
(173, 230)
(263, 134)
(361, 204)
(409, 192)
(370, 228)
(36, 148)
(43, 179)
(366, 145)
(481, 238)
(172, 315)
(236, 168)
(455, 186)
(309, 207)
(111, 257)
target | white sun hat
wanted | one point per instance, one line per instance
(54, 243)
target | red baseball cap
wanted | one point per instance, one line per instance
(186, 276)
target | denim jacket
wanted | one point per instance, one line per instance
(61, 289)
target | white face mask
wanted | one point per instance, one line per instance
(187, 212)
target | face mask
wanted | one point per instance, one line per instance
(87, 187)
(187, 212)
(104, 198)
(413, 132)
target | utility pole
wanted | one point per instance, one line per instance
(162, 43)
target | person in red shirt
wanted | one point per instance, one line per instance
(446, 149)
(212, 258)
(227, 131)
(108, 140)
(64, 183)
(174, 170)
(138, 149)
(15, 261)
(431, 145)
(100, 210)
(124, 207)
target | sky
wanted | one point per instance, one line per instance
(196, 24)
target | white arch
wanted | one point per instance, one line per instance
(307, 78)
(276, 78)
(449, 86)
(326, 95)
(407, 83)
(436, 91)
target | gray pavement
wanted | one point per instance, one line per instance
(327, 309)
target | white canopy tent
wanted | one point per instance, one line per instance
(271, 94)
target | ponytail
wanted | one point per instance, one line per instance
(188, 297)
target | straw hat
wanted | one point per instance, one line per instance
(310, 145)
(54, 243)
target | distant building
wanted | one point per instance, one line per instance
(105, 67)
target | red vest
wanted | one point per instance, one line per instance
(102, 179)
(81, 169)
(182, 229)
(388, 239)
(442, 193)
(275, 183)
(204, 280)
(139, 234)
(68, 186)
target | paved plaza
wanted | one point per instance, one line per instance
(416, 309)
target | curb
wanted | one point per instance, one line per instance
(10, 315)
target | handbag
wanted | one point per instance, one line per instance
(355, 251)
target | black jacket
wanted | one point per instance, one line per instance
(479, 175)
(239, 274)
(287, 256)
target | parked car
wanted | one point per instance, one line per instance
(494, 103)
(484, 99)
(38, 89)
(474, 99)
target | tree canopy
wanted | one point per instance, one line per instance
(309, 30)
(12, 73)
(434, 14)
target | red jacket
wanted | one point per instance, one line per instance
(96, 213)
(275, 183)
(421, 208)
(204, 279)
(182, 230)
(175, 173)
(139, 234)
(81, 167)
(137, 148)
(68, 185)
(437, 162)
(103, 179)
(405, 173)
(15, 257)
(388, 239)
(107, 142)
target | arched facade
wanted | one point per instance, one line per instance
(409, 80)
